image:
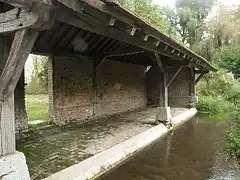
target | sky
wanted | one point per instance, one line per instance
(171, 2)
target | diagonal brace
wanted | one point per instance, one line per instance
(174, 77)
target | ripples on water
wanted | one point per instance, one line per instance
(195, 151)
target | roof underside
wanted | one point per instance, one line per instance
(93, 29)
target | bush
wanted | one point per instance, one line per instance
(213, 105)
(233, 136)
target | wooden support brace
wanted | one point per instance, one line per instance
(101, 61)
(159, 62)
(199, 77)
(20, 49)
(174, 77)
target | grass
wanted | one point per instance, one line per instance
(37, 107)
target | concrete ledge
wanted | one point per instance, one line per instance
(183, 117)
(99, 164)
(14, 167)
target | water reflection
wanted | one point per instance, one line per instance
(196, 151)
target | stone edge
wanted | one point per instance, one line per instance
(99, 164)
(14, 166)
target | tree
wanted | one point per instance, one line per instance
(149, 11)
(188, 17)
(38, 82)
(229, 58)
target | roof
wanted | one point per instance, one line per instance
(92, 28)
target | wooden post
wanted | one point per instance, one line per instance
(163, 100)
(21, 47)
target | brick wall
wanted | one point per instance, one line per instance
(153, 86)
(180, 91)
(76, 95)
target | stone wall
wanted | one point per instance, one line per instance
(77, 93)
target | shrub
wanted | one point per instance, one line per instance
(213, 105)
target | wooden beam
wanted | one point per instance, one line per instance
(163, 99)
(22, 44)
(21, 47)
(123, 53)
(17, 19)
(174, 76)
(199, 77)
(159, 62)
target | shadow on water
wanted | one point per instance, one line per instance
(195, 151)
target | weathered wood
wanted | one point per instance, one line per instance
(174, 76)
(163, 99)
(159, 62)
(7, 127)
(20, 49)
(89, 23)
(199, 77)
(17, 19)
(27, 4)
(131, 19)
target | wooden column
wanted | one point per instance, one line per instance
(21, 47)
(163, 99)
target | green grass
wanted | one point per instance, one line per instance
(37, 107)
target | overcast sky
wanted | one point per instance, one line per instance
(171, 2)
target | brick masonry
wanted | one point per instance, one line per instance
(180, 92)
(75, 92)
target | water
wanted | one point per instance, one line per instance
(195, 151)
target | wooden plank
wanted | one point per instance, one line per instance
(21, 47)
(174, 76)
(17, 19)
(159, 62)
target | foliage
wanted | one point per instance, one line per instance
(229, 58)
(39, 76)
(216, 84)
(149, 11)
(213, 105)
(233, 135)
(188, 18)
(37, 107)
